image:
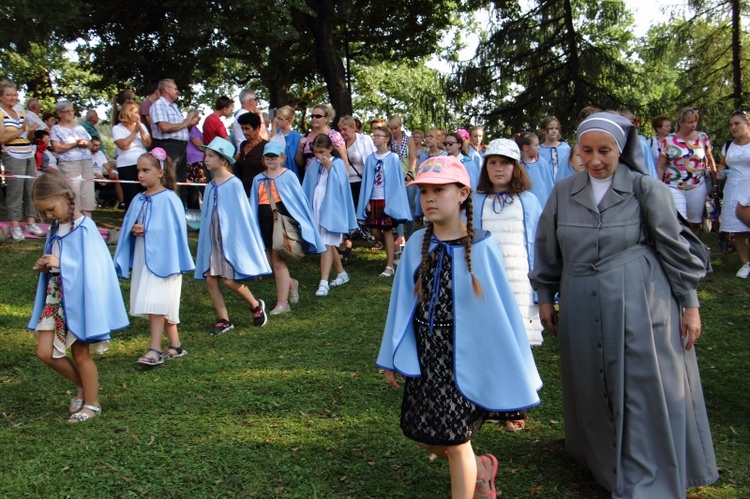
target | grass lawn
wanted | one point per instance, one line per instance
(298, 408)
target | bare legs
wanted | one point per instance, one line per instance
(214, 291)
(742, 245)
(464, 465)
(330, 259)
(81, 370)
(385, 236)
(281, 274)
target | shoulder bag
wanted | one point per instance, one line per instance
(287, 240)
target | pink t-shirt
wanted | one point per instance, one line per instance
(212, 128)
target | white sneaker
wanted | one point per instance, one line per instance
(35, 230)
(744, 271)
(342, 278)
(322, 289)
(16, 233)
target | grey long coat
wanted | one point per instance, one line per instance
(632, 398)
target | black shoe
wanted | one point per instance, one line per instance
(259, 314)
(121, 206)
(221, 327)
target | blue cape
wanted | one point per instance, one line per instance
(542, 179)
(337, 212)
(648, 156)
(165, 236)
(396, 202)
(493, 364)
(92, 301)
(295, 202)
(563, 159)
(472, 169)
(292, 143)
(243, 246)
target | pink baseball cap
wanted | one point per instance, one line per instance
(463, 133)
(442, 170)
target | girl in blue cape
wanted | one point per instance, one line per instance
(230, 248)
(511, 213)
(284, 186)
(382, 199)
(327, 188)
(553, 149)
(456, 336)
(537, 168)
(78, 300)
(154, 244)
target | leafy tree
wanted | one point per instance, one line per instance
(550, 57)
(693, 62)
(412, 91)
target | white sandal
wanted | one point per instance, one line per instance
(80, 416)
(388, 272)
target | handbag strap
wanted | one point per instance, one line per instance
(272, 201)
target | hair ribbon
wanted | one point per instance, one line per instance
(160, 154)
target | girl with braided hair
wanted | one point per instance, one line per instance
(78, 301)
(449, 287)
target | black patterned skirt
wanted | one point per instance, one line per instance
(433, 410)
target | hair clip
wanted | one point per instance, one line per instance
(160, 154)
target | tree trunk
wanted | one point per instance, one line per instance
(329, 62)
(737, 94)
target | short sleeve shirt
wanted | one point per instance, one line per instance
(168, 112)
(687, 165)
(65, 135)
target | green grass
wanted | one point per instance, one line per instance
(297, 408)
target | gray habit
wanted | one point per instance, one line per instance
(632, 398)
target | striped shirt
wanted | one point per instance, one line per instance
(163, 110)
(20, 147)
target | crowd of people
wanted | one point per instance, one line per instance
(523, 233)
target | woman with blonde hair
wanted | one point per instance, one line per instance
(131, 139)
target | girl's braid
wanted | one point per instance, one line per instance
(469, 208)
(425, 260)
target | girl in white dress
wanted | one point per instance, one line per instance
(154, 245)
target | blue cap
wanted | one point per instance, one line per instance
(222, 147)
(274, 148)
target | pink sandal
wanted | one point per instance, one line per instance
(490, 472)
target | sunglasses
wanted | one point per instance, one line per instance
(448, 144)
(317, 116)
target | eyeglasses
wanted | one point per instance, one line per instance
(317, 116)
(379, 135)
(280, 118)
(448, 144)
(65, 111)
(271, 157)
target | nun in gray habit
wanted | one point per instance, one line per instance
(632, 398)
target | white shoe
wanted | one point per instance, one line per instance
(322, 289)
(35, 230)
(342, 278)
(16, 233)
(744, 271)
(280, 309)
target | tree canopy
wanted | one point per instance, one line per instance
(534, 58)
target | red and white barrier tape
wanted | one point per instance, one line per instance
(98, 180)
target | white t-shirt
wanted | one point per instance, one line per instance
(99, 159)
(129, 156)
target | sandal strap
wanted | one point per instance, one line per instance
(176, 349)
(93, 408)
(157, 352)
